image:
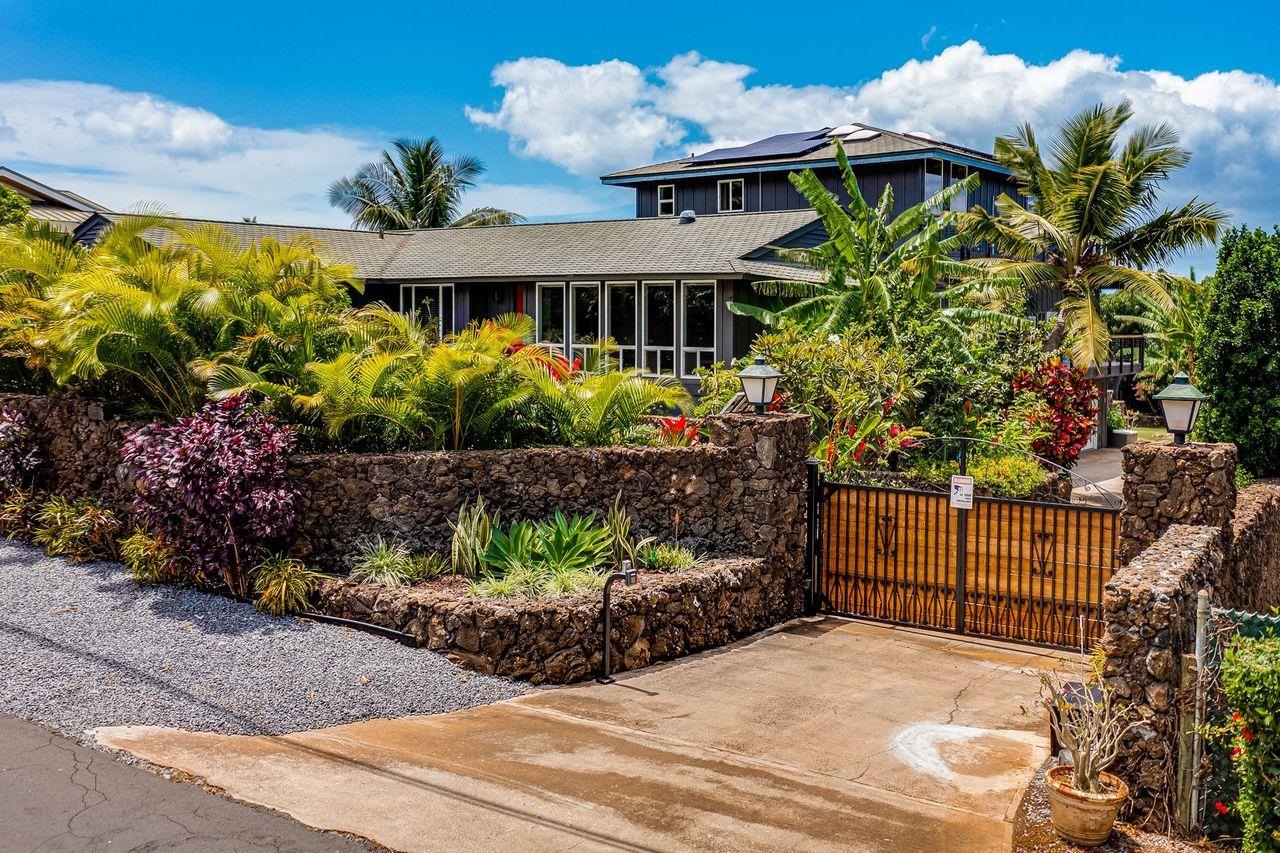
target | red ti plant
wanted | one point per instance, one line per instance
(1070, 413)
(677, 432)
(213, 485)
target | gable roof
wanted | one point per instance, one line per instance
(877, 145)
(711, 246)
(62, 209)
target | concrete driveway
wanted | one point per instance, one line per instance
(827, 734)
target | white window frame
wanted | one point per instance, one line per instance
(720, 195)
(704, 356)
(628, 354)
(645, 348)
(562, 346)
(408, 304)
(668, 201)
(578, 350)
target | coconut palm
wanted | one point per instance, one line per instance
(414, 186)
(877, 266)
(1093, 222)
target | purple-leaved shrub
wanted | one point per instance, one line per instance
(19, 450)
(213, 486)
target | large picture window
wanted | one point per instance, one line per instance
(622, 318)
(933, 172)
(551, 316)
(959, 202)
(733, 196)
(698, 341)
(585, 318)
(659, 327)
(429, 304)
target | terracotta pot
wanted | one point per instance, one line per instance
(1083, 819)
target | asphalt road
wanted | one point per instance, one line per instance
(57, 796)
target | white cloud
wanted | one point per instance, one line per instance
(576, 116)
(928, 37)
(579, 117)
(123, 148)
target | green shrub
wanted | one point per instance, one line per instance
(82, 529)
(1002, 475)
(1238, 364)
(384, 561)
(666, 558)
(425, 567)
(471, 534)
(561, 556)
(1251, 683)
(149, 558)
(282, 586)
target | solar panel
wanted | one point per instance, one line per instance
(781, 145)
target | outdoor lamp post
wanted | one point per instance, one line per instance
(1180, 401)
(759, 382)
(630, 577)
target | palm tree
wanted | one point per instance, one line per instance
(414, 186)
(1093, 222)
(877, 267)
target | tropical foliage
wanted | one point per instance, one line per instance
(1094, 221)
(81, 529)
(282, 585)
(213, 486)
(1237, 364)
(1069, 411)
(414, 186)
(878, 269)
(13, 206)
(1251, 685)
(19, 450)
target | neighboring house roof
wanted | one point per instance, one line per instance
(62, 209)
(861, 142)
(712, 246)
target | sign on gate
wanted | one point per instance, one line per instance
(961, 492)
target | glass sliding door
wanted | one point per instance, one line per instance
(550, 316)
(659, 327)
(698, 337)
(430, 304)
(622, 321)
(585, 317)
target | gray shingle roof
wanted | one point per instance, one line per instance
(617, 248)
(886, 144)
(62, 218)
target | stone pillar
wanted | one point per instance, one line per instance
(1166, 484)
(1149, 608)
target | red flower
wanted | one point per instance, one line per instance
(1237, 752)
(888, 404)
(857, 453)
(1246, 734)
(895, 431)
(576, 366)
(1235, 716)
(968, 406)
(1222, 810)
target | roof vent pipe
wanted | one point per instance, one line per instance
(687, 217)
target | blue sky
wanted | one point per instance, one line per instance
(233, 109)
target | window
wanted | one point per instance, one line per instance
(933, 170)
(698, 342)
(659, 327)
(429, 304)
(732, 195)
(622, 320)
(666, 199)
(960, 201)
(550, 315)
(585, 316)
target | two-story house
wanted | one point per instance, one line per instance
(706, 227)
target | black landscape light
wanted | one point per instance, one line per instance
(1180, 401)
(630, 577)
(759, 382)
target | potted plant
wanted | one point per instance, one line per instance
(1120, 426)
(1089, 723)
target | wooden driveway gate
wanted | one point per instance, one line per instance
(1011, 569)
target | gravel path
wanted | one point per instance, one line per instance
(84, 646)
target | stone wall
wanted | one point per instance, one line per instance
(743, 492)
(80, 443)
(1251, 574)
(1149, 610)
(556, 641)
(1166, 485)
